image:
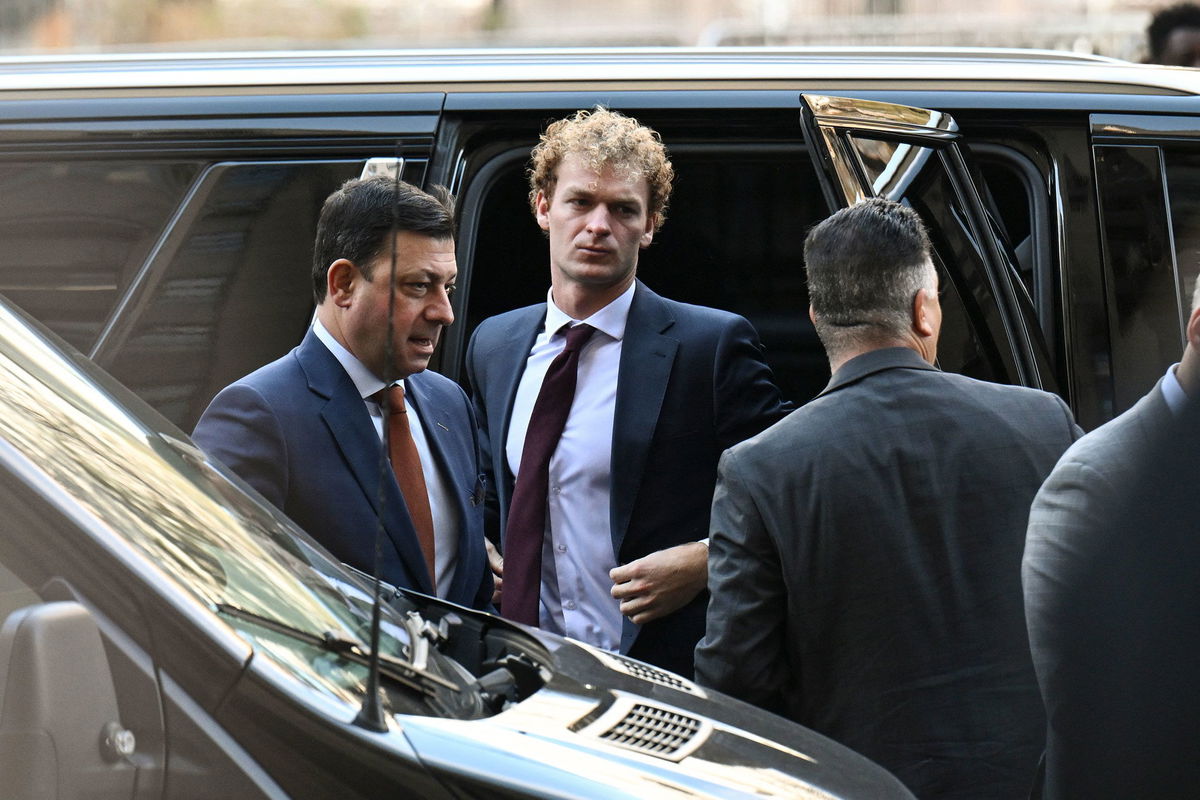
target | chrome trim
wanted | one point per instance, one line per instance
(447, 70)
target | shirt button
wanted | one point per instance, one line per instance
(569, 605)
(557, 490)
(562, 548)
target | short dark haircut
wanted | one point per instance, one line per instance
(359, 219)
(865, 264)
(1166, 20)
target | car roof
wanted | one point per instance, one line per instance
(959, 69)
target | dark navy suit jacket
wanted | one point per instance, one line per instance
(691, 382)
(298, 432)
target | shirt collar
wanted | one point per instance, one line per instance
(1173, 393)
(609, 320)
(364, 380)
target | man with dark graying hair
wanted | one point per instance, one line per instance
(309, 430)
(866, 551)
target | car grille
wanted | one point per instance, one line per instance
(635, 724)
(648, 673)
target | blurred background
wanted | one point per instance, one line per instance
(1106, 27)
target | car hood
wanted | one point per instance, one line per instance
(606, 725)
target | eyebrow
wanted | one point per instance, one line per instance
(582, 191)
(429, 276)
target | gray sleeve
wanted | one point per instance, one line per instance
(742, 652)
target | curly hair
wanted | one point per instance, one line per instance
(603, 138)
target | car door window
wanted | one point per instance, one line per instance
(909, 155)
(76, 232)
(226, 289)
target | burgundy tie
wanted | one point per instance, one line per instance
(526, 526)
(406, 463)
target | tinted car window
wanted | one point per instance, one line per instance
(1144, 286)
(76, 232)
(228, 290)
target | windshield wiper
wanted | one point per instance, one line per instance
(411, 674)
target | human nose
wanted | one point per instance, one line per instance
(439, 309)
(598, 221)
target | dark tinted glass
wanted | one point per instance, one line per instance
(1183, 192)
(231, 291)
(75, 234)
(1144, 288)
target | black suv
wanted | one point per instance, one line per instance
(164, 635)
(158, 212)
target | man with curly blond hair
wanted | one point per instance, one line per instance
(604, 410)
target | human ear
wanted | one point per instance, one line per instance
(648, 236)
(924, 318)
(1193, 329)
(542, 214)
(340, 281)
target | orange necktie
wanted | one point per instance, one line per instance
(406, 463)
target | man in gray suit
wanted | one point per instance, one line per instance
(1112, 597)
(866, 550)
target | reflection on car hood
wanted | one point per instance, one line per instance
(606, 726)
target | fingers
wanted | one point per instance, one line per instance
(495, 560)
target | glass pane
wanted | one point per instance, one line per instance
(237, 293)
(890, 166)
(1183, 190)
(75, 233)
(1144, 310)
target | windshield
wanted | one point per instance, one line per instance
(154, 489)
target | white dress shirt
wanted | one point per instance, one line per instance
(576, 598)
(1173, 392)
(441, 503)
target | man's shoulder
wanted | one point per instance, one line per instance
(698, 316)
(505, 320)
(992, 392)
(271, 378)
(1116, 441)
(438, 384)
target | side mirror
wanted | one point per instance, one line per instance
(60, 734)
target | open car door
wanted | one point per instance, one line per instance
(865, 148)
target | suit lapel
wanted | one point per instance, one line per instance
(647, 358)
(506, 361)
(451, 446)
(349, 424)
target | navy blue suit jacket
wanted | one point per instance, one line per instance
(298, 432)
(691, 382)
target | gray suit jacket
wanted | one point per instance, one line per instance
(1112, 596)
(865, 571)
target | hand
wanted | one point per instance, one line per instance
(496, 562)
(655, 585)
